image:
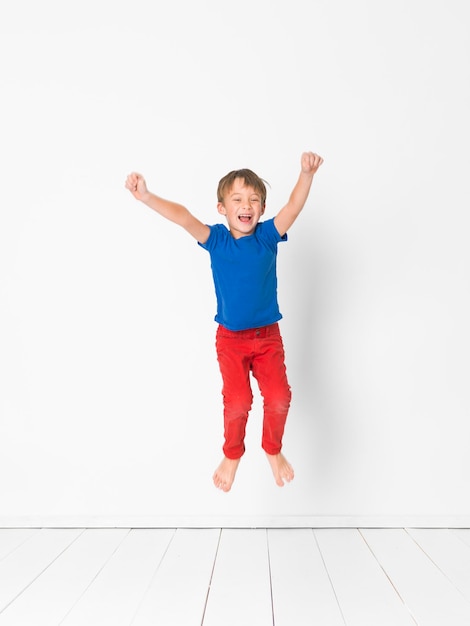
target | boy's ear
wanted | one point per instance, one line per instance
(221, 209)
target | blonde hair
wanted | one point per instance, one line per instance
(249, 178)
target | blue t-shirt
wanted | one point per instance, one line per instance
(244, 272)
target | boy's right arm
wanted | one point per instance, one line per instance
(172, 211)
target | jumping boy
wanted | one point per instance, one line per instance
(243, 260)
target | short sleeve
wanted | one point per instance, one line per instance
(270, 233)
(212, 239)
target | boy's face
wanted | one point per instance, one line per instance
(242, 207)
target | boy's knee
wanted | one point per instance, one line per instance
(278, 402)
(281, 406)
(236, 405)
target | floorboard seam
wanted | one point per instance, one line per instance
(210, 578)
(329, 577)
(388, 577)
(41, 572)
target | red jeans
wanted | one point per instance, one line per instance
(260, 351)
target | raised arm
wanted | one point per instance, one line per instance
(172, 211)
(310, 163)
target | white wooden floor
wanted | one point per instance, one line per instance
(274, 577)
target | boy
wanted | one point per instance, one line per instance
(243, 260)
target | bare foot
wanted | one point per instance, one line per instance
(224, 475)
(281, 468)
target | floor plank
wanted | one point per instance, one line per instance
(448, 552)
(363, 590)
(12, 538)
(177, 594)
(25, 564)
(53, 594)
(463, 534)
(115, 594)
(302, 591)
(240, 592)
(431, 597)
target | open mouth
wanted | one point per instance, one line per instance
(246, 219)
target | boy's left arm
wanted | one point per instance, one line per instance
(288, 214)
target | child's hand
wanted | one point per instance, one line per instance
(310, 162)
(136, 185)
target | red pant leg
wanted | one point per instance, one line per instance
(234, 356)
(269, 370)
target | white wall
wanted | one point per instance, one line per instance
(110, 392)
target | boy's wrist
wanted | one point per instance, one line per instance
(146, 197)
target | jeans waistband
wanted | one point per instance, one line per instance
(250, 333)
